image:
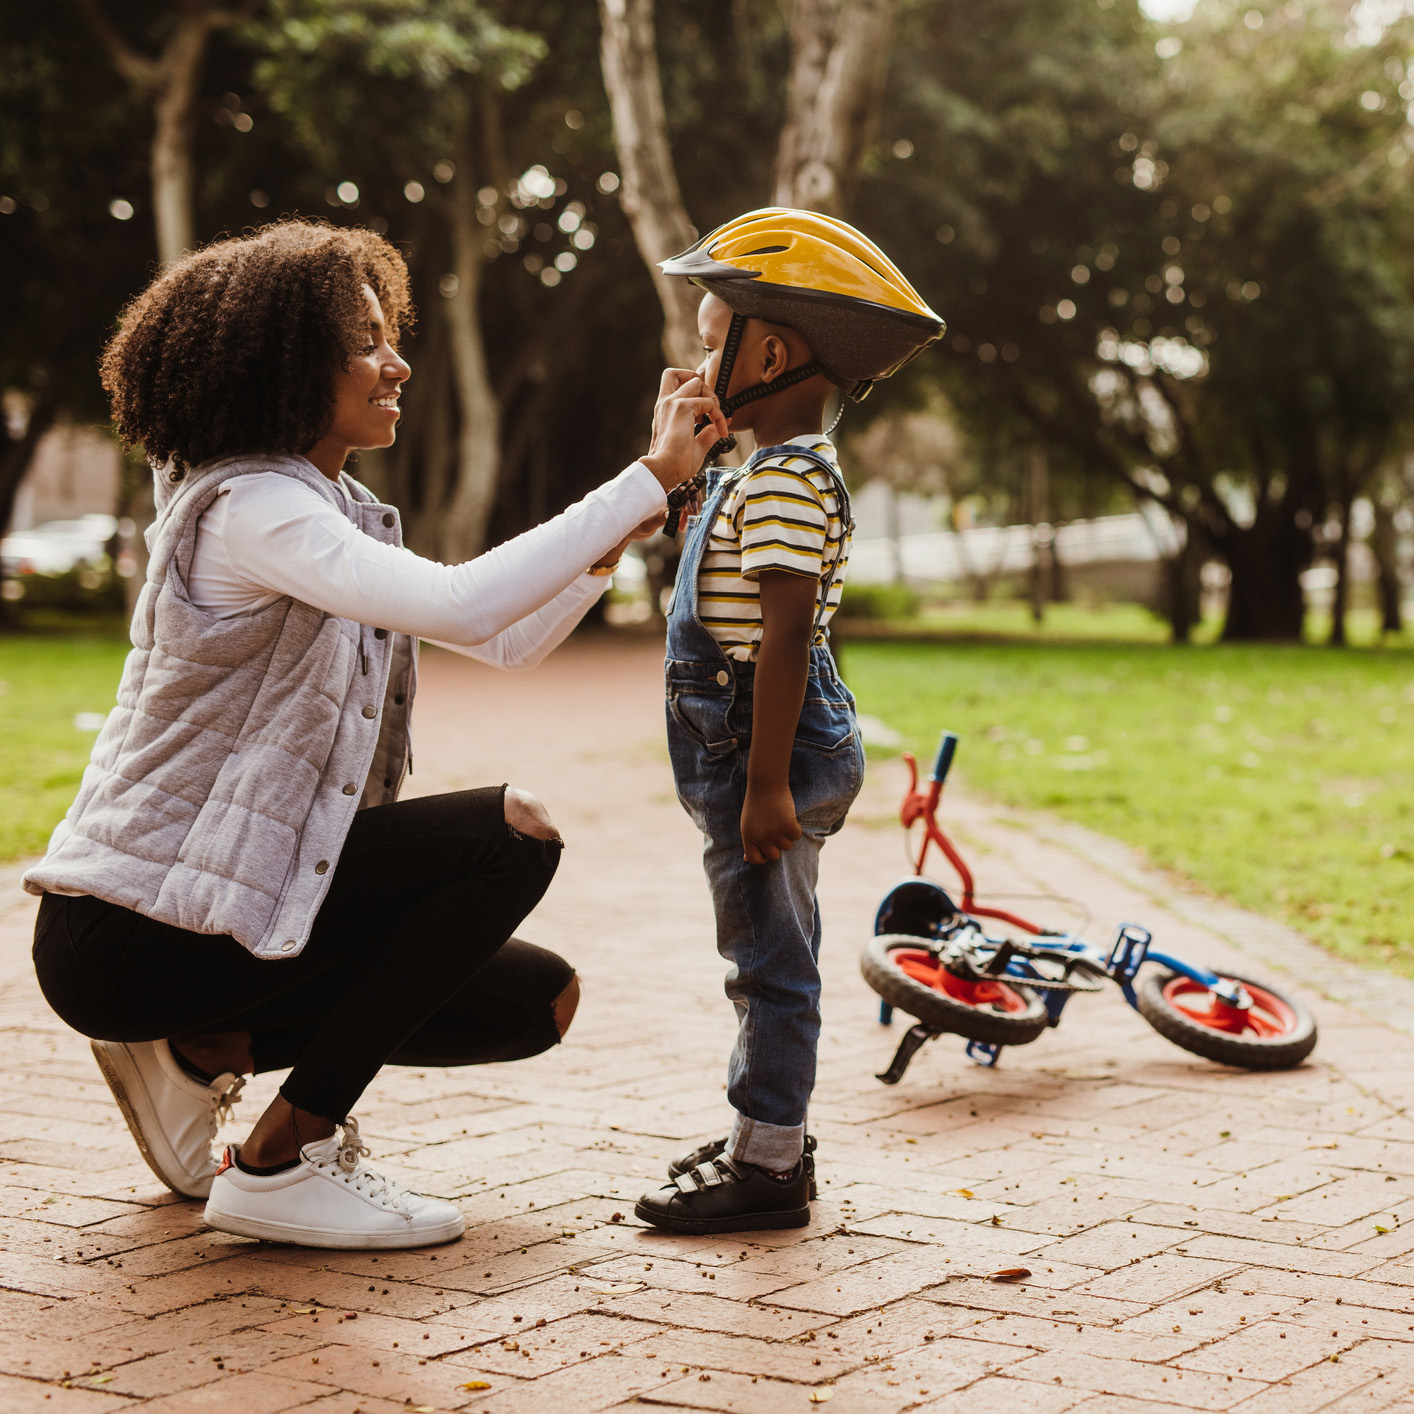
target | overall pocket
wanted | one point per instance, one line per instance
(827, 721)
(702, 717)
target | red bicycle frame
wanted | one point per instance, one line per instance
(923, 805)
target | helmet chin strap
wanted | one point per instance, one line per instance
(681, 495)
(731, 405)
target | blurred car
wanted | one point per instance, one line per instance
(57, 546)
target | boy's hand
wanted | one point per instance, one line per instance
(768, 823)
(677, 448)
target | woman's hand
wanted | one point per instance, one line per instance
(678, 448)
(768, 823)
(645, 530)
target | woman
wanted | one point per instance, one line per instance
(236, 888)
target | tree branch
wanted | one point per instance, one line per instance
(650, 195)
(132, 65)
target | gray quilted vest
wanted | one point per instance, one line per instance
(223, 784)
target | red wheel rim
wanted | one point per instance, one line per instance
(1268, 1019)
(924, 968)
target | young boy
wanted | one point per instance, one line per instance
(764, 744)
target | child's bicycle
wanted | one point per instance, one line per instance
(931, 958)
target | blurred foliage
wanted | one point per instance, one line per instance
(877, 601)
(1173, 256)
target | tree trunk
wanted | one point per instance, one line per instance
(463, 531)
(839, 61)
(649, 191)
(1385, 545)
(173, 112)
(1340, 603)
(1266, 560)
(171, 81)
(1041, 534)
(1183, 587)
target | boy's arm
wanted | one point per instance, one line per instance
(768, 819)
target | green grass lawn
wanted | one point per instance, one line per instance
(44, 683)
(1282, 778)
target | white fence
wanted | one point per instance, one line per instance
(953, 556)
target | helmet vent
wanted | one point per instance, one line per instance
(767, 250)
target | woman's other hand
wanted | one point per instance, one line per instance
(678, 447)
(645, 530)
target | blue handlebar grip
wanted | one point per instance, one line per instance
(947, 749)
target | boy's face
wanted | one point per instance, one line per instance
(714, 319)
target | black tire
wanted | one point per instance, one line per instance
(943, 1013)
(1250, 1052)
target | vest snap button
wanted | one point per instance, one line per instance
(388, 520)
(370, 712)
(350, 789)
(289, 946)
(322, 867)
(722, 678)
(380, 633)
(399, 700)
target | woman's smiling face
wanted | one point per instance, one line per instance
(365, 397)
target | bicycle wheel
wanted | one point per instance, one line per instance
(1275, 1034)
(1000, 1011)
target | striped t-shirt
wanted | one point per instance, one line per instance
(784, 515)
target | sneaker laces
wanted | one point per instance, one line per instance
(354, 1172)
(224, 1100)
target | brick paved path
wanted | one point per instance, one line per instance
(1196, 1238)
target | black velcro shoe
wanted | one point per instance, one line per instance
(726, 1195)
(715, 1148)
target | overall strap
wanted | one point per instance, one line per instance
(688, 638)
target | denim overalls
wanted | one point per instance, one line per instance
(768, 919)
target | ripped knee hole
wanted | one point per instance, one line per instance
(527, 816)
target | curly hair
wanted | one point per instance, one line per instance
(235, 348)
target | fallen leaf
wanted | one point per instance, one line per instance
(475, 1384)
(621, 1288)
(966, 1192)
(1378, 1228)
(101, 1380)
(304, 1310)
(1009, 1274)
(821, 1396)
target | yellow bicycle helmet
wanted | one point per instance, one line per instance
(810, 272)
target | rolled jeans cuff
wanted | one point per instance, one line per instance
(769, 1146)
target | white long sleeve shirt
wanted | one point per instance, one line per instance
(266, 536)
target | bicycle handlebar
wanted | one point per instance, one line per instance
(942, 763)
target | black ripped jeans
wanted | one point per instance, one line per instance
(410, 961)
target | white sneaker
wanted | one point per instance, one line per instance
(331, 1198)
(172, 1115)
